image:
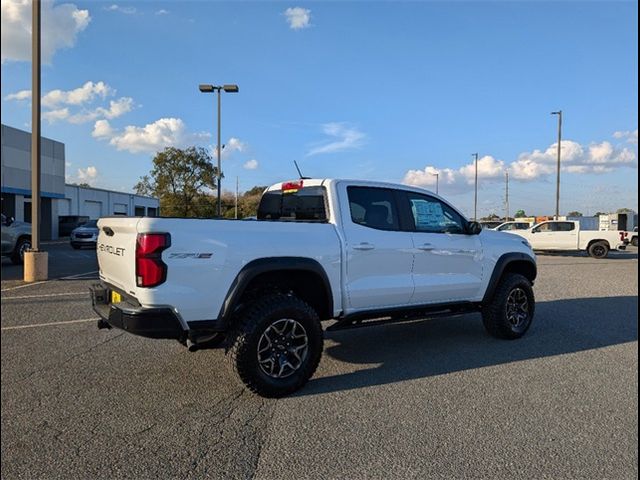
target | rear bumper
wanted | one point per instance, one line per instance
(146, 322)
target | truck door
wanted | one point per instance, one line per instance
(554, 236)
(379, 254)
(447, 266)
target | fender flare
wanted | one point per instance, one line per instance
(501, 266)
(265, 265)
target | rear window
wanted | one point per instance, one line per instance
(306, 204)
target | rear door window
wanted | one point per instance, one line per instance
(373, 207)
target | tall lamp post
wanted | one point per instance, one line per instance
(559, 113)
(475, 194)
(36, 263)
(206, 88)
(437, 175)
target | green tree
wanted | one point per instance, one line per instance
(574, 214)
(182, 180)
(520, 214)
(624, 210)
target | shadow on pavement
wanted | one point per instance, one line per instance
(445, 345)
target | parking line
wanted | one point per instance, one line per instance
(44, 295)
(70, 277)
(51, 324)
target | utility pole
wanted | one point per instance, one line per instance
(36, 263)
(475, 195)
(559, 113)
(437, 180)
(506, 175)
(237, 186)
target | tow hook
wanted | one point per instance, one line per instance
(103, 324)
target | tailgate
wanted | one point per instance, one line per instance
(116, 250)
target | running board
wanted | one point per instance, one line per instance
(359, 322)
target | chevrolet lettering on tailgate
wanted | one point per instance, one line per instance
(119, 251)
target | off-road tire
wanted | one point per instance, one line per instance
(17, 257)
(251, 323)
(495, 315)
(598, 250)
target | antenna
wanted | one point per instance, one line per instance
(302, 177)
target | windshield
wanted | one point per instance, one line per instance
(90, 224)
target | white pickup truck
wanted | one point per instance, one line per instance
(565, 235)
(356, 252)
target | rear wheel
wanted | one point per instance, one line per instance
(277, 345)
(634, 241)
(17, 257)
(598, 249)
(510, 312)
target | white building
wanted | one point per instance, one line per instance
(57, 198)
(96, 203)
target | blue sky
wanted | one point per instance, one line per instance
(390, 91)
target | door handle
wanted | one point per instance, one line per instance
(364, 246)
(426, 247)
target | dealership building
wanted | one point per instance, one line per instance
(57, 198)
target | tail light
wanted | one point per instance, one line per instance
(151, 271)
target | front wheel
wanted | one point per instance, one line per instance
(598, 250)
(510, 312)
(634, 241)
(277, 345)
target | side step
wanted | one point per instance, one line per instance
(348, 323)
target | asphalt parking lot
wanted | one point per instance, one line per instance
(436, 398)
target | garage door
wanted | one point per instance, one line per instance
(119, 209)
(92, 209)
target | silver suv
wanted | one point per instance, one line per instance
(16, 239)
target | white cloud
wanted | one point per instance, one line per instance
(55, 115)
(84, 94)
(575, 158)
(79, 97)
(346, 138)
(89, 173)
(61, 25)
(21, 95)
(628, 135)
(298, 17)
(116, 109)
(102, 129)
(118, 8)
(250, 164)
(153, 137)
(162, 11)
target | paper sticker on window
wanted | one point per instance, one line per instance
(427, 214)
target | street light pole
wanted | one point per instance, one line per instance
(475, 195)
(207, 88)
(559, 113)
(36, 263)
(219, 147)
(506, 174)
(437, 181)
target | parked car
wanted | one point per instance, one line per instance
(16, 239)
(66, 223)
(490, 224)
(513, 225)
(568, 236)
(86, 235)
(352, 251)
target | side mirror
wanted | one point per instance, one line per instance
(10, 220)
(474, 228)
